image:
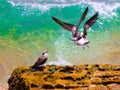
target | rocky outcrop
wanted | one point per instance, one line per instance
(83, 77)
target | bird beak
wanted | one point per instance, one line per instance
(46, 51)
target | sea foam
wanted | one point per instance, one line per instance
(108, 9)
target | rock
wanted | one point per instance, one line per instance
(98, 87)
(82, 77)
(113, 86)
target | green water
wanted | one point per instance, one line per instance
(27, 29)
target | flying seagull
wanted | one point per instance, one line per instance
(71, 27)
(79, 38)
(41, 60)
(83, 41)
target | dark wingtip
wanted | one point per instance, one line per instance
(82, 17)
(87, 8)
(53, 18)
(96, 14)
(90, 22)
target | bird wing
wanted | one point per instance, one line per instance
(82, 17)
(41, 60)
(89, 23)
(65, 25)
(68, 26)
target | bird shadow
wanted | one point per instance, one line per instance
(39, 68)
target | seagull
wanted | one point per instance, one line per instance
(71, 27)
(41, 60)
(79, 38)
(83, 41)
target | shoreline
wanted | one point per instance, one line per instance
(3, 87)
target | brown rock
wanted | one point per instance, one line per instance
(113, 86)
(83, 77)
(98, 87)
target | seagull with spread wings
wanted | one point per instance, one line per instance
(83, 41)
(78, 38)
(71, 27)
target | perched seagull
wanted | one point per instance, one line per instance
(41, 60)
(71, 27)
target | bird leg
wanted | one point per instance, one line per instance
(83, 48)
(88, 46)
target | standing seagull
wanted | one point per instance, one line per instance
(71, 27)
(41, 60)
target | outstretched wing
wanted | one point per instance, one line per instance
(68, 26)
(89, 23)
(82, 17)
(65, 25)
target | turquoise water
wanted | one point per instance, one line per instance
(27, 29)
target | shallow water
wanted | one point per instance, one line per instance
(27, 29)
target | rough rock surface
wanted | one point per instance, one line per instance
(82, 77)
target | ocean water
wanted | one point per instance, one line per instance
(27, 29)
